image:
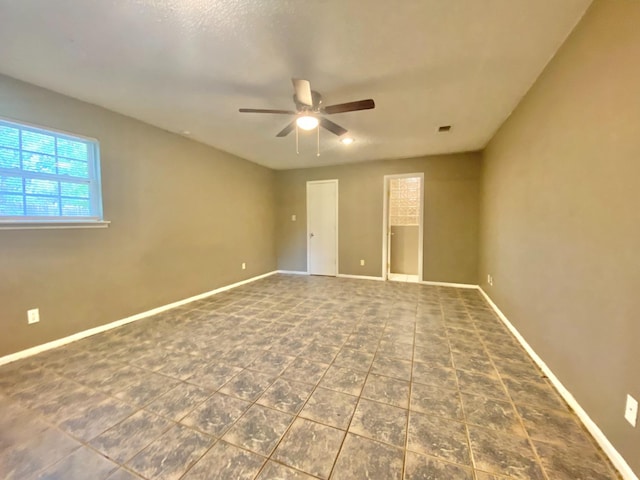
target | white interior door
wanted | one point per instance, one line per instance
(322, 227)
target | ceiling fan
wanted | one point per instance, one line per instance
(310, 111)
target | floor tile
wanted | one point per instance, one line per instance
(570, 462)
(492, 414)
(503, 454)
(395, 350)
(31, 455)
(127, 438)
(145, 389)
(409, 355)
(316, 352)
(343, 380)
(537, 393)
(248, 385)
(271, 363)
(182, 366)
(216, 414)
(259, 429)
(178, 402)
(435, 375)
(438, 437)
(45, 392)
(391, 367)
(387, 390)
(111, 382)
(310, 447)
(435, 401)
(517, 369)
(225, 462)
(480, 384)
(553, 426)
(489, 476)
(239, 357)
(213, 376)
(79, 465)
(277, 471)
(89, 423)
(381, 422)
(57, 408)
(435, 354)
(18, 425)
(286, 395)
(171, 454)
(354, 359)
(364, 458)
(123, 474)
(421, 467)
(302, 370)
(330, 408)
(474, 363)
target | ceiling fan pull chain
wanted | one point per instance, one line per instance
(318, 142)
(297, 151)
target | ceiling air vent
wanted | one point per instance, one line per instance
(444, 128)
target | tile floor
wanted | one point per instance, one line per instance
(294, 378)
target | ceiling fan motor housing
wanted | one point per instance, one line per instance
(302, 107)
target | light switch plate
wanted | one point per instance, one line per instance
(33, 315)
(631, 410)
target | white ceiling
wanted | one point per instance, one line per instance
(190, 64)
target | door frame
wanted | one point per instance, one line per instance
(334, 180)
(386, 228)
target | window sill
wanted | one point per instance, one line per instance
(60, 224)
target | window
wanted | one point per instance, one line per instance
(405, 205)
(48, 176)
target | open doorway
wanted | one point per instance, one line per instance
(403, 227)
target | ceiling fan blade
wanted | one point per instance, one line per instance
(262, 110)
(333, 127)
(349, 106)
(303, 91)
(287, 130)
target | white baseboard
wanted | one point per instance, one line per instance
(103, 328)
(360, 277)
(447, 284)
(618, 461)
(292, 272)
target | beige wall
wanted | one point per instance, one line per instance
(184, 216)
(560, 223)
(451, 215)
(405, 241)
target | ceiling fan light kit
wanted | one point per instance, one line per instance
(310, 112)
(307, 122)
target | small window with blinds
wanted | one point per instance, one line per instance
(48, 176)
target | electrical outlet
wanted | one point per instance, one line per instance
(362, 263)
(293, 218)
(244, 266)
(490, 280)
(33, 315)
(631, 410)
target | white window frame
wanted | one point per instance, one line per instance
(94, 181)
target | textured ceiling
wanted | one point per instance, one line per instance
(188, 65)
